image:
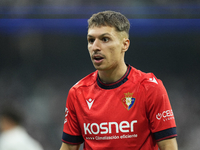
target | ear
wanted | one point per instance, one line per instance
(126, 44)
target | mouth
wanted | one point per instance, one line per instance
(97, 58)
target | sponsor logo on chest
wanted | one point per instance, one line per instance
(109, 127)
(110, 130)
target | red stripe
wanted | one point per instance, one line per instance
(171, 136)
(71, 143)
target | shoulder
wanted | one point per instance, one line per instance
(152, 88)
(148, 81)
(142, 77)
(86, 81)
(77, 89)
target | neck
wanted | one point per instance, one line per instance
(9, 127)
(112, 75)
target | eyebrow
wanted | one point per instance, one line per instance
(100, 35)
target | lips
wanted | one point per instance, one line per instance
(98, 58)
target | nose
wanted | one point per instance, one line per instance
(96, 45)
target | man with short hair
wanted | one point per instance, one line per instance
(13, 135)
(117, 107)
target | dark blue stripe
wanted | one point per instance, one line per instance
(165, 134)
(71, 139)
(116, 84)
(139, 27)
(186, 8)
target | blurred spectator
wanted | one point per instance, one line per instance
(13, 135)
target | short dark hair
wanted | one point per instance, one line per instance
(13, 115)
(110, 18)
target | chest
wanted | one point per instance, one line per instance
(110, 111)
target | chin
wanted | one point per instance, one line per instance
(99, 67)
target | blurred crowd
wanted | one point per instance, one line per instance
(80, 8)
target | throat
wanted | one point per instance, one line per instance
(109, 76)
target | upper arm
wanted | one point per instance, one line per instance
(159, 110)
(66, 146)
(72, 130)
(168, 144)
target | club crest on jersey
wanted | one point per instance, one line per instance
(128, 100)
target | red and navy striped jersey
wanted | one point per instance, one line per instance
(132, 113)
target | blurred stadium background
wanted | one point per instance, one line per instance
(43, 52)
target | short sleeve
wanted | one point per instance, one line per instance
(159, 110)
(71, 130)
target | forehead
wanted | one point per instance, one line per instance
(98, 31)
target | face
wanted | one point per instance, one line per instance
(106, 47)
(4, 123)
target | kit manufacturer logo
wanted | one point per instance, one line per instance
(153, 80)
(90, 102)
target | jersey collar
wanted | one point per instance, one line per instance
(115, 84)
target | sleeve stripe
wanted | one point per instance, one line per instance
(165, 134)
(71, 143)
(166, 137)
(71, 139)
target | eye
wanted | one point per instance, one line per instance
(91, 40)
(105, 39)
